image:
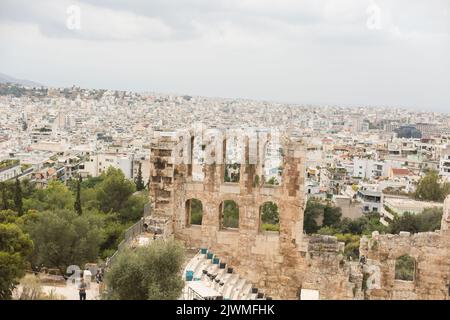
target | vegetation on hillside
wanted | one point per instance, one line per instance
(430, 189)
(350, 231)
(15, 248)
(147, 273)
(63, 225)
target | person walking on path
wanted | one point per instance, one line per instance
(82, 289)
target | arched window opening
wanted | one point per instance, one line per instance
(232, 172)
(233, 158)
(273, 164)
(229, 213)
(194, 212)
(270, 217)
(405, 268)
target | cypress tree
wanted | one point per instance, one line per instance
(139, 181)
(4, 196)
(77, 204)
(18, 198)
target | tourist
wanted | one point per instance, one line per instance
(98, 276)
(82, 289)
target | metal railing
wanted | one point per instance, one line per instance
(148, 209)
(131, 233)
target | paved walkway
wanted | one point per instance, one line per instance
(70, 292)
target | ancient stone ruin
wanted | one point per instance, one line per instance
(285, 263)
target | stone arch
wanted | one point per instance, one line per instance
(269, 216)
(272, 162)
(405, 268)
(229, 214)
(194, 212)
(234, 151)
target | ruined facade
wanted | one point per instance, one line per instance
(430, 253)
(283, 262)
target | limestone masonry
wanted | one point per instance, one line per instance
(286, 262)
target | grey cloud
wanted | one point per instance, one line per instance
(309, 51)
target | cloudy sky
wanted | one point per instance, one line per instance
(340, 52)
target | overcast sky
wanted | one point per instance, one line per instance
(339, 52)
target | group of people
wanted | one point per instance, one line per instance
(146, 230)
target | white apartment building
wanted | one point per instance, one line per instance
(444, 164)
(41, 133)
(99, 163)
(367, 168)
(10, 170)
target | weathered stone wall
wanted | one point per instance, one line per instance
(430, 251)
(282, 263)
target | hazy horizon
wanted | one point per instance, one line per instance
(348, 53)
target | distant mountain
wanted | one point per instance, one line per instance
(5, 79)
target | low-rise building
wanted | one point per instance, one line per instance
(372, 201)
(444, 164)
(9, 169)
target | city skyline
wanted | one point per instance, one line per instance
(316, 53)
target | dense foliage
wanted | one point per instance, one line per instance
(62, 238)
(196, 211)
(405, 268)
(350, 230)
(230, 214)
(270, 217)
(63, 225)
(147, 273)
(430, 189)
(428, 220)
(15, 247)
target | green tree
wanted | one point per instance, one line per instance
(55, 197)
(88, 197)
(230, 214)
(92, 182)
(113, 234)
(428, 220)
(18, 204)
(270, 217)
(333, 222)
(351, 249)
(429, 188)
(8, 216)
(328, 231)
(331, 215)
(196, 208)
(273, 181)
(15, 246)
(77, 204)
(314, 209)
(147, 273)
(405, 268)
(63, 238)
(114, 191)
(28, 188)
(139, 181)
(133, 208)
(4, 191)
